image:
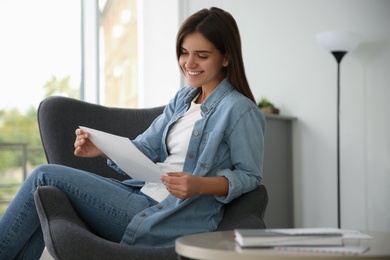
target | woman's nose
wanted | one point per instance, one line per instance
(191, 63)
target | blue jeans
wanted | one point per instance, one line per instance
(105, 204)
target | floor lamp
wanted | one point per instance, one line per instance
(338, 43)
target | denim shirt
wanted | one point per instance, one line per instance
(228, 141)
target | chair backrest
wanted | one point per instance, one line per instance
(59, 117)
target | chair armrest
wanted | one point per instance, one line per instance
(246, 211)
(68, 237)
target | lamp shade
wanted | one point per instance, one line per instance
(338, 40)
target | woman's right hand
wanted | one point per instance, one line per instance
(84, 147)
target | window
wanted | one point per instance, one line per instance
(118, 53)
(40, 54)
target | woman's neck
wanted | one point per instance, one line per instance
(201, 97)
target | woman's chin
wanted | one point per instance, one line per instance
(193, 85)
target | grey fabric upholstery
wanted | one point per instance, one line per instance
(66, 235)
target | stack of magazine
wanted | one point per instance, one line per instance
(247, 238)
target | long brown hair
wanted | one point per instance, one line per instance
(220, 28)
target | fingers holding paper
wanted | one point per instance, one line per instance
(84, 147)
(181, 185)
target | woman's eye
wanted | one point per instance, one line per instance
(202, 56)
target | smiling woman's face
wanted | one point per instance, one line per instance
(201, 62)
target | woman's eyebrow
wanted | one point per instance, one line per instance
(197, 51)
(204, 51)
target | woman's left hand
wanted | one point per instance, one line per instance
(182, 185)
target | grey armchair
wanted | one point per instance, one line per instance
(66, 235)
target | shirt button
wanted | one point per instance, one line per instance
(196, 133)
(159, 206)
(143, 214)
(204, 109)
(190, 156)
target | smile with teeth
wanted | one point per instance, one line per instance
(193, 73)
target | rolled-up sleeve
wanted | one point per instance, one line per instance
(246, 146)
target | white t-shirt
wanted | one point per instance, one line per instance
(177, 141)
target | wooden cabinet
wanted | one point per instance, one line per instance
(278, 171)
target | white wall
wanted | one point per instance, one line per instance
(285, 64)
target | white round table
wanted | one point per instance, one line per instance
(221, 245)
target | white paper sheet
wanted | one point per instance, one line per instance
(126, 155)
(350, 234)
(343, 250)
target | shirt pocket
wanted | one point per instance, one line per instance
(212, 146)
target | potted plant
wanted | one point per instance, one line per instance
(267, 107)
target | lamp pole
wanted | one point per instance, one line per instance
(338, 43)
(338, 56)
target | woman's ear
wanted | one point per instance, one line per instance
(225, 62)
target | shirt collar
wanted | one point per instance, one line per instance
(212, 101)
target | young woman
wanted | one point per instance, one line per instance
(209, 141)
